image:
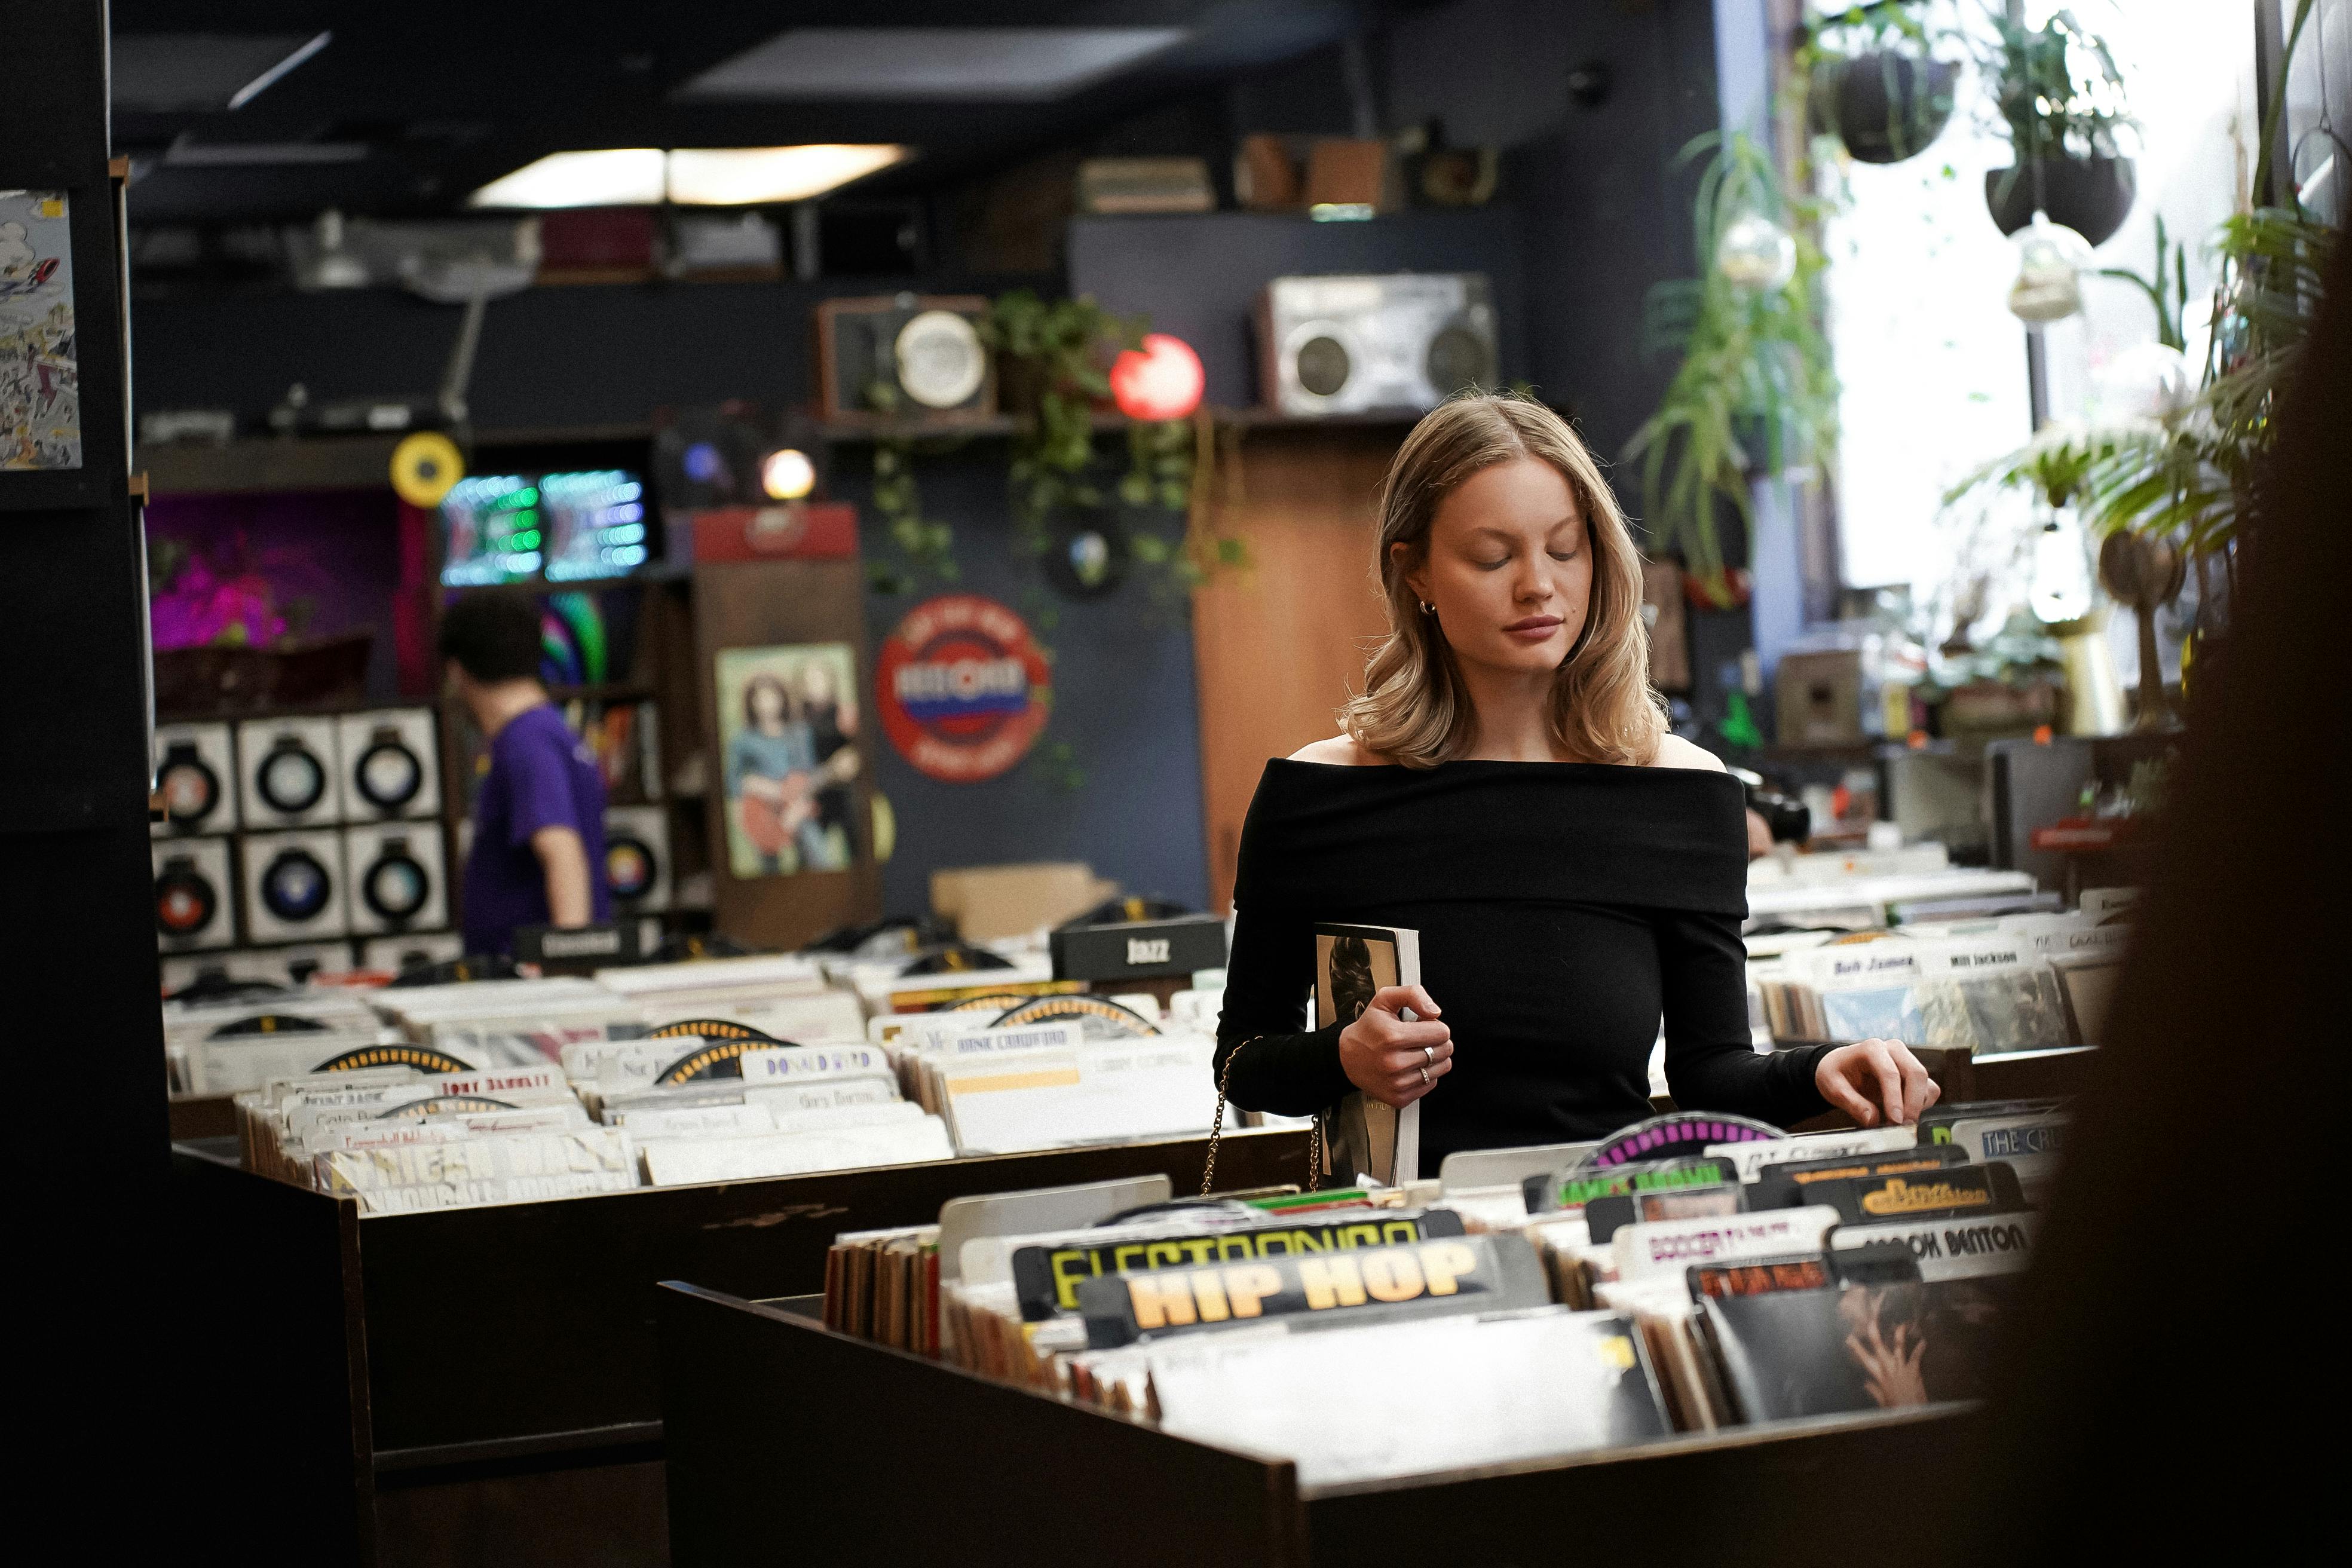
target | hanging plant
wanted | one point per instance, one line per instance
(2059, 95)
(925, 547)
(1874, 81)
(1755, 392)
(1053, 371)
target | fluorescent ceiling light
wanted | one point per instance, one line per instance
(615, 177)
(156, 72)
(691, 176)
(911, 63)
(185, 149)
(740, 176)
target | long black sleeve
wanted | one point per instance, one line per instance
(1269, 973)
(1710, 1063)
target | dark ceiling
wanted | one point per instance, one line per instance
(413, 106)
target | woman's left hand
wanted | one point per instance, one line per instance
(1876, 1082)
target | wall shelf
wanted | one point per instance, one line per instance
(847, 433)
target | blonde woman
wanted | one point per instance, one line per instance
(1505, 786)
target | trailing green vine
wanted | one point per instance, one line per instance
(925, 547)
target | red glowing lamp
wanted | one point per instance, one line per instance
(1162, 380)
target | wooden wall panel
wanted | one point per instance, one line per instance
(1279, 646)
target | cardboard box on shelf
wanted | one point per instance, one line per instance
(989, 903)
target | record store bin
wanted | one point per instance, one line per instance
(391, 1372)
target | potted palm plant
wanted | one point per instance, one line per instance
(1874, 81)
(2060, 96)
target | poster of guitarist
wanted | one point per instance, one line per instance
(789, 730)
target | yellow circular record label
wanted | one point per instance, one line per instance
(424, 467)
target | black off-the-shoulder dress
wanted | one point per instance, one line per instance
(1563, 907)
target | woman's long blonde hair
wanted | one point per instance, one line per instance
(1415, 708)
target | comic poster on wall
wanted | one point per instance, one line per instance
(40, 387)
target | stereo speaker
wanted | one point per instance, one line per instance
(1394, 342)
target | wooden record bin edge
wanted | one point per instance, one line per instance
(511, 1330)
(736, 1375)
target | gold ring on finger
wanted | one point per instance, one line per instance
(1423, 1072)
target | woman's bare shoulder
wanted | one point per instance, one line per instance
(1674, 752)
(1340, 751)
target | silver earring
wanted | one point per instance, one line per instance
(1427, 609)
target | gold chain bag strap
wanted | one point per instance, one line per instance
(1217, 1130)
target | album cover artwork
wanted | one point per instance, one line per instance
(1865, 1347)
(1353, 963)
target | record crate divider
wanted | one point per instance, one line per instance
(790, 1442)
(403, 1382)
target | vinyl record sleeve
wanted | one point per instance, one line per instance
(1867, 1347)
(1355, 1405)
(1353, 963)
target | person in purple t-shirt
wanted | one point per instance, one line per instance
(538, 824)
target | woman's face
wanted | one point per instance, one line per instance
(1509, 568)
(767, 704)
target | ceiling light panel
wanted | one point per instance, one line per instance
(612, 177)
(744, 177)
(1001, 64)
(690, 176)
(162, 72)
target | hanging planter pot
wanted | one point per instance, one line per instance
(2090, 195)
(1884, 106)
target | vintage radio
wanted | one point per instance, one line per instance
(1401, 341)
(922, 355)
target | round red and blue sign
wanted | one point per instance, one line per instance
(963, 688)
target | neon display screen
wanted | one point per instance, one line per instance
(567, 527)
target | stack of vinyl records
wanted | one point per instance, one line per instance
(2028, 981)
(729, 1070)
(1086, 1071)
(1691, 1275)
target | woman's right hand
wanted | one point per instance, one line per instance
(1396, 1060)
